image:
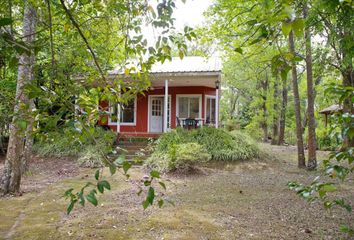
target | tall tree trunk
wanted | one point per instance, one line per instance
(264, 123)
(347, 71)
(300, 142)
(283, 112)
(28, 147)
(12, 171)
(312, 161)
(276, 113)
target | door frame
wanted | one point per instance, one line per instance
(205, 106)
(149, 110)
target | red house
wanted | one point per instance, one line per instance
(183, 92)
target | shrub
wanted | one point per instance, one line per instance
(69, 142)
(90, 157)
(192, 147)
(178, 156)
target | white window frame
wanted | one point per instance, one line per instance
(205, 106)
(149, 109)
(191, 96)
(123, 123)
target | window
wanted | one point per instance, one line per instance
(189, 107)
(210, 110)
(127, 112)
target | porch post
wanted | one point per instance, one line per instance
(165, 109)
(118, 109)
(217, 105)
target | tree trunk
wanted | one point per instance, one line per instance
(312, 162)
(283, 112)
(348, 81)
(300, 143)
(264, 123)
(28, 148)
(276, 113)
(12, 170)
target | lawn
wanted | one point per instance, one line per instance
(245, 200)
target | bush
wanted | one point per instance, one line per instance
(90, 157)
(69, 142)
(200, 145)
(179, 156)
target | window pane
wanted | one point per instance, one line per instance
(212, 117)
(210, 110)
(183, 107)
(208, 120)
(194, 107)
(127, 112)
(113, 111)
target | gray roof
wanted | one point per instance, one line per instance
(331, 109)
(188, 64)
(185, 65)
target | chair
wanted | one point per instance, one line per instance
(178, 122)
(191, 123)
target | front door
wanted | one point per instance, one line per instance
(156, 114)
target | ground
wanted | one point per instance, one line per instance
(245, 200)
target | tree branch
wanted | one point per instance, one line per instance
(76, 25)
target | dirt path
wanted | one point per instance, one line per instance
(247, 200)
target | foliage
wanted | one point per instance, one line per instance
(90, 157)
(201, 145)
(70, 142)
(179, 156)
(339, 166)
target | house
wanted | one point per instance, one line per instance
(181, 91)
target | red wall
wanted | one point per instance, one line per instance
(142, 106)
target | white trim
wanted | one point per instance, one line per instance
(217, 108)
(205, 105)
(123, 123)
(200, 96)
(165, 110)
(149, 109)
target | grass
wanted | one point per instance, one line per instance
(244, 200)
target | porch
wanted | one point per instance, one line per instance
(176, 98)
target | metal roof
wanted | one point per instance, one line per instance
(188, 64)
(331, 109)
(185, 65)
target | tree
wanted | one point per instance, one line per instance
(312, 162)
(13, 168)
(300, 143)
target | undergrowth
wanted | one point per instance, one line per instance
(89, 146)
(203, 144)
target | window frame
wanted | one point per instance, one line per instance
(123, 123)
(205, 106)
(178, 96)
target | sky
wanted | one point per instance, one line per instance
(186, 14)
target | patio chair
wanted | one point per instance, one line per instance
(178, 122)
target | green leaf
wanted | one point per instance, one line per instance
(126, 166)
(151, 195)
(162, 185)
(5, 21)
(146, 204)
(22, 124)
(155, 174)
(97, 174)
(70, 207)
(160, 203)
(92, 198)
(101, 185)
(298, 27)
(286, 28)
(239, 50)
(112, 168)
(329, 188)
